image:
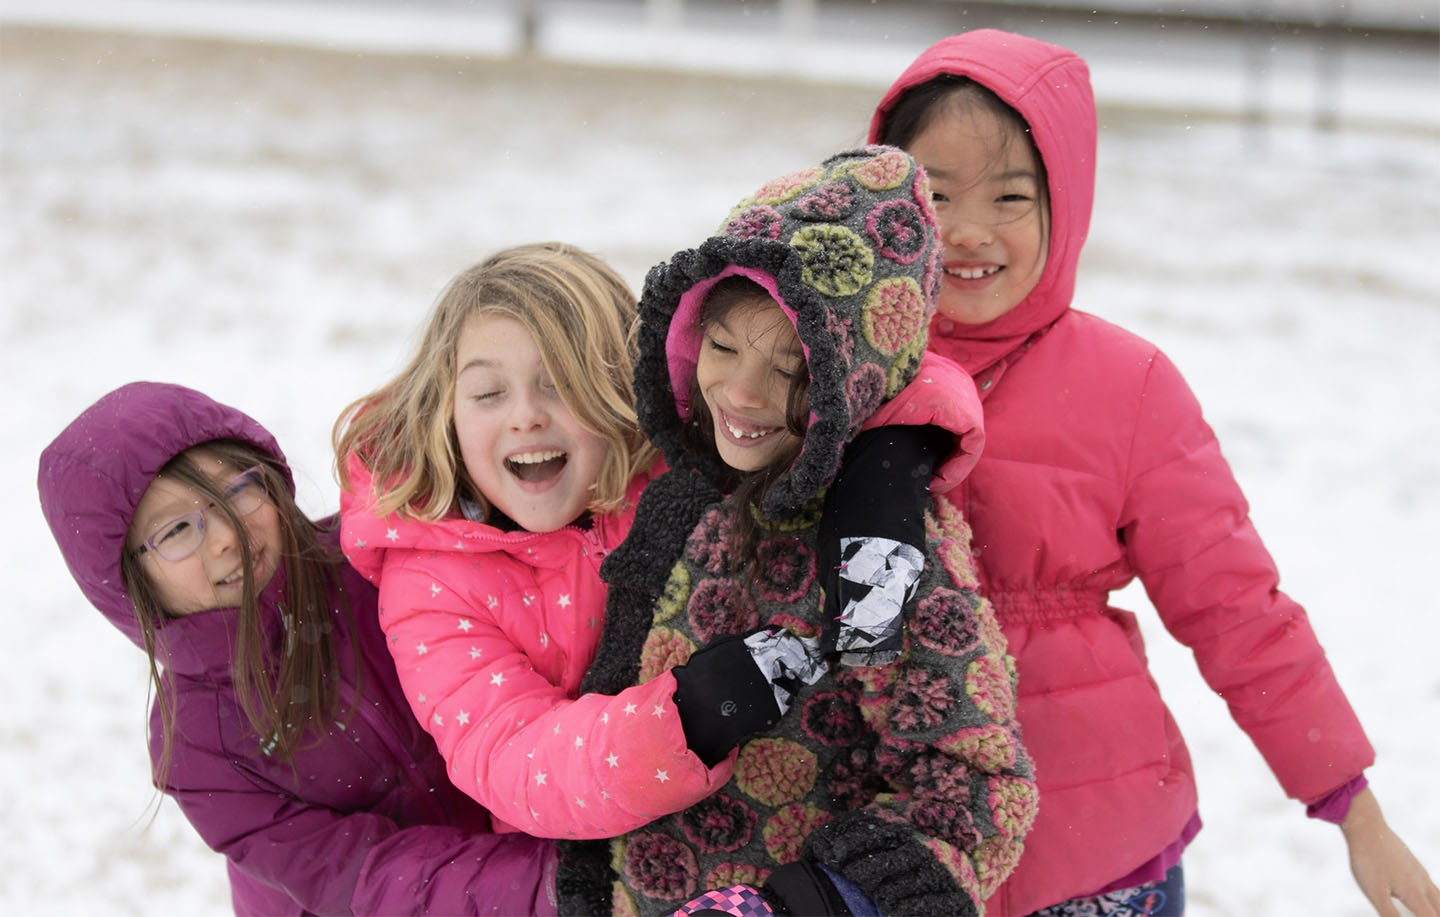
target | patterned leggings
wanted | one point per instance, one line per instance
(1164, 898)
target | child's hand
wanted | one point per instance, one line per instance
(1384, 867)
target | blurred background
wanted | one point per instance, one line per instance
(261, 200)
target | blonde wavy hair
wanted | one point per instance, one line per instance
(582, 317)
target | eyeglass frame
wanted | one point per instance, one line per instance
(255, 473)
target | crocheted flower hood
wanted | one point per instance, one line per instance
(95, 472)
(848, 249)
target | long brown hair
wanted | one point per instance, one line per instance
(284, 692)
(581, 315)
(747, 489)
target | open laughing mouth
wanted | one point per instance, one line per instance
(535, 467)
(973, 273)
(745, 434)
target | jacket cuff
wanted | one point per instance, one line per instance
(1334, 806)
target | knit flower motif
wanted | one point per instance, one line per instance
(882, 172)
(838, 327)
(831, 201)
(787, 829)
(851, 779)
(834, 260)
(995, 859)
(664, 649)
(941, 776)
(727, 874)
(894, 315)
(957, 864)
(660, 866)
(719, 607)
(989, 748)
(905, 365)
(959, 563)
(921, 700)
(898, 230)
(864, 391)
(775, 771)
(831, 718)
(946, 819)
(754, 222)
(712, 544)
(719, 823)
(894, 758)
(676, 594)
(779, 190)
(784, 570)
(987, 684)
(1013, 802)
(944, 621)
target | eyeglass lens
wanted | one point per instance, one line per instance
(183, 535)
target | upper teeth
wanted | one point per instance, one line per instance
(535, 458)
(741, 434)
(233, 578)
(973, 273)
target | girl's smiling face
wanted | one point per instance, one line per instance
(749, 360)
(521, 446)
(989, 198)
(212, 576)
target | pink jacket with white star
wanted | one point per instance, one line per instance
(491, 632)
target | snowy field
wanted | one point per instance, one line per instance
(270, 224)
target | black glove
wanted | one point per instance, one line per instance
(737, 686)
(871, 548)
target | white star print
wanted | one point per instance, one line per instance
(392, 534)
(359, 542)
(438, 720)
(604, 795)
(498, 678)
(540, 779)
(564, 601)
(604, 718)
(462, 718)
(492, 602)
(422, 649)
(475, 652)
(527, 599)
(629, 709)
(544, 639)
(435, 589)
(579, 742)
(557, 729)
(579, 802)
(659, 710)
(661, 776)
(613, 760)
(465, 624)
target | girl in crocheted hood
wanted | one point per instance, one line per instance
(278, 725)
(1100, 468)
(897, 778)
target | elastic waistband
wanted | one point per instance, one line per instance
(1033, 607)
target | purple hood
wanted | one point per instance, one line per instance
(95, 472)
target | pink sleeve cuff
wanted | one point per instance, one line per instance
(1336, 805)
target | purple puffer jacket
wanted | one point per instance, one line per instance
(365, 821)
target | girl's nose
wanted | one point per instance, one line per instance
(527, 413)
(220, 535)
(967, 231)
(747, 389)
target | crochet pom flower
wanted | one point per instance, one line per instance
(838, 327)
(719, 607)
(727, 874)
(882, 172)
(775, 771)
(851, 779)
(787, 829)
(898, 230)
(894, 315)
(834, 260)
(784, 570)
(987, 684)
(1013, 802)
(779, 190)
(864, 390)
(944, 621)
(660, 866)
(989, 748)
(719, 823)
(940, 775)
(832, 718)
(754, 222)
(712, 544)
(959, 563)
(958, 865)
(676, 594)
(995, 859)
(904, 367)
(831, 201)
(664, 649)
(946, 819)
(922, 699)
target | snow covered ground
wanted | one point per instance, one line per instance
(269, 224)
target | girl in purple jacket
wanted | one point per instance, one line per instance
(278, 725)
